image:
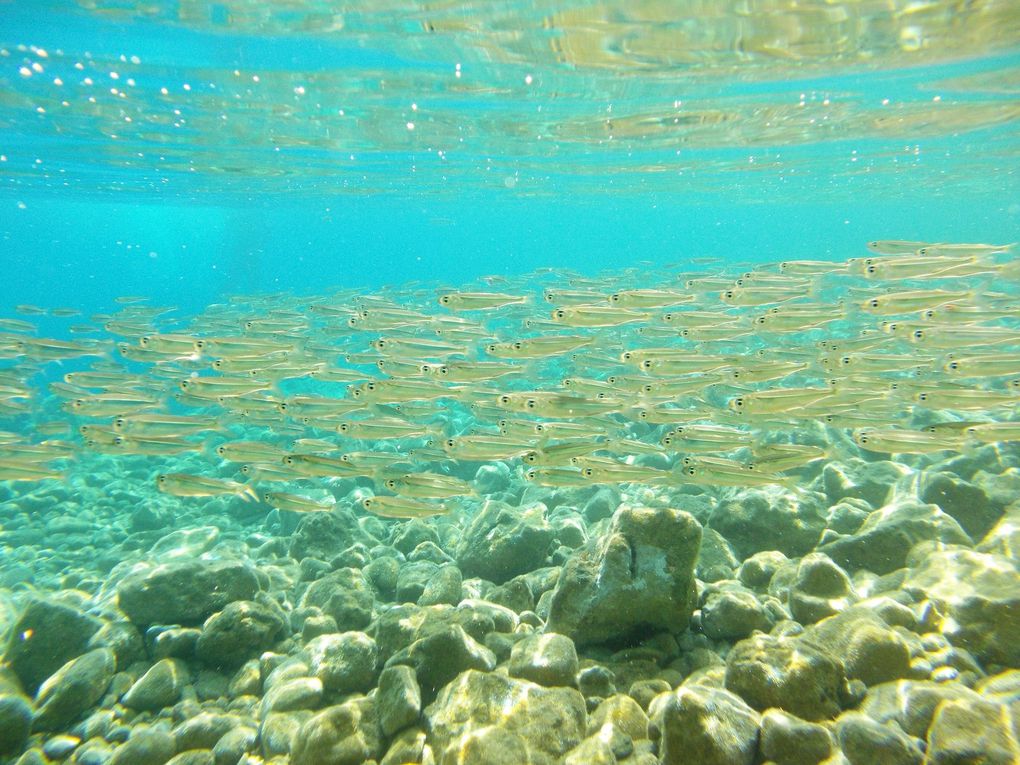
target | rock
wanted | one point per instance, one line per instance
(848, 515)
(716, 560)
(882, 543)
(492, 478)
(293, 694)
(241, 630)
(344, 595)
(867, 742)
(407, 747)
(963, 733)
(638, 577)
(431, 552)
(345, 663)
(314, 626)
(602, 504)
(146, 746)
(709, 726)
(322, 535)
(159, 687)
(596, 682)
(345, 734)
(757, 571)
(858, 479)
(788, 740)
(444, 587)
(15, 723)
(172, 643)
(184, 543)
(475, 710)
(396, 628)
(412, 533)
(60, 747)
(619, 714)
(964, 502)
(412, 579)
(547, 659)
(515, 595)
(820, 589)
(184, 592)
(502, 542)
(911, 704)
(733, 613)
(203, 730)
(770, 519)
(440, 657)
(277, 733)
(871, 651)
(382, 574)
(980, 593)
(234, 745)
(398, 699)
(46, 636)
(123, 638)
(766, 671)
(193, 757)
(73, 689)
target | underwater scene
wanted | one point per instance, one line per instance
(510, 382)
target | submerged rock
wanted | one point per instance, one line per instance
(159, 687)
(343, 595)
(345, 734)
(502, 542)
(345, 663)
(438, 658)
(770, 519)
(980, 593)
(243, 629)
(503, 720)
(323, 535)
(45, 636)
(184, 592)
(785, 673)
(547, 659)
(709, 726)
(820, 589)
(73, 689)
(15, 723)
(882, 543)
(637, 578)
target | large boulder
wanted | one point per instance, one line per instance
(325, 535)
(73, 689)
(503, 541)
(638, 578)
(237, 633)
(345, 734)
(184, 592)
(343, 595)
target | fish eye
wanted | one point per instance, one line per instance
(685, 333)
(646, 364)
(922, 396)
(445, 300)
(738, 402)
(531, 403)
(922, 251)
(118, 440)
(516, 346)
(531, 475)
(343, 427)
(352, 322)
(450, 443)
(559, 313)
(539, 427)
(953, 365)
(862, 438)
(845, 361)
(587, 472)
(739, 282)
(918, 334)
(161, 479)
(504, 399)
(531, 458)
(390, 483)
(728, 294)
(221, 450)
(871, 270)
(666, 440)
(288, 460)
(690, 470)
(366, 502)
(874, 303)
(615, 297)
(200, 344)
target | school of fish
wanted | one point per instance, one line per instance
(736, 376)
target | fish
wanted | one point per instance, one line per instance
(429, 486)
(479, 301)
(400, 507)
(295, 503)
(895, 441)
(186, 485)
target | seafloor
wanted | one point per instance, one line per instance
(860, 607)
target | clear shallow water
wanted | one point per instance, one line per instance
(268, 169)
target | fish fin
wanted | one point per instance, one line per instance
(247, 493)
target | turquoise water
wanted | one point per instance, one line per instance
(500, 382)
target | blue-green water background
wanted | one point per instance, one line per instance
(68, 239)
